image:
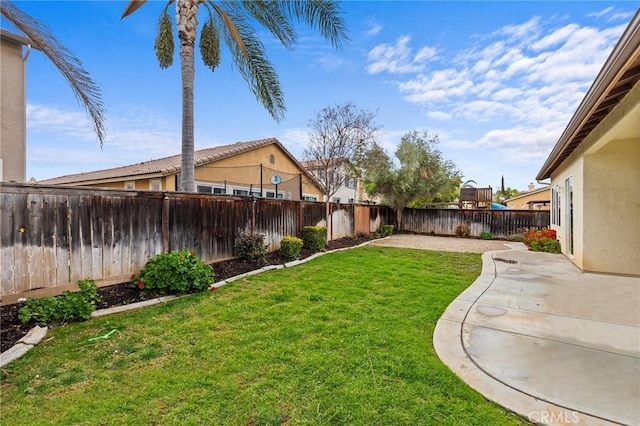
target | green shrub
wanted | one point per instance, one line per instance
(290, 247)
(386, 230)
(485, 235)
(69, 307)
(314, 237)
(252, 248)
(172, 273)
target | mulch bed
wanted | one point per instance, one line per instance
(12, 330)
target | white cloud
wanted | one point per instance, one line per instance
(613, 14)
(439, 115)
(374, 29)
(398, 58)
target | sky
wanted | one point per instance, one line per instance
(498, 82)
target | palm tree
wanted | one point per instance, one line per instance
(232, 20)
(85, 90)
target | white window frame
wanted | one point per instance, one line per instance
(308, 197)
(216, 189)
(129, 184)
(157, 183)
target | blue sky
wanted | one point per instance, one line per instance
(497, 81)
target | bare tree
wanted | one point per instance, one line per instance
(85, 90)
(338, 136)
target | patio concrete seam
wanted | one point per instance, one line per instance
(480, 368)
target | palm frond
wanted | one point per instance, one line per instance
(272, 16)
(321, 15)
(86, 91)
(132, 6)
(251, 61)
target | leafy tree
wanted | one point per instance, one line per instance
(86, 91)
(504, 194)
(338, 135)
(233, 22)
(421, 171)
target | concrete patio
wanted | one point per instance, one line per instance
(543, 339)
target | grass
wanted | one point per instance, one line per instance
(343, 339)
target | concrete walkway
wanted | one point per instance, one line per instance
(543, 339)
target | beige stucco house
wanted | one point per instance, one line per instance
(348, 187)
(13, 122)
(595, 168)
(262, 168)
(533, 199)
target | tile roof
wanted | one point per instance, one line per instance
(164, 166)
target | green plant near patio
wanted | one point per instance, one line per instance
(290, 247)
(485, 235)
(69, 307)
(174, 273)
(345, 339)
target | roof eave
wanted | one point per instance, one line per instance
(615, 63)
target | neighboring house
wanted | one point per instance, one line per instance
(262, 168)
(533, 199)
(595, 168)
(351, 191)
(13, 133)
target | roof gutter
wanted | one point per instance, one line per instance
(622, 52)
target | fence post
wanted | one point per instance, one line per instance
(165, 224)
(300, 218)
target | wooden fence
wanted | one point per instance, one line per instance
(50, 237)
(500, 223)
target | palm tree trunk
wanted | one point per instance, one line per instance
(186, 18)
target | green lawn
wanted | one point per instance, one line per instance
(343, 339)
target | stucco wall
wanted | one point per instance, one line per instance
(612, 192)
(13, 117)
(521, 202)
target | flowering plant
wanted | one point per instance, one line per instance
(175, 272)
(542, 240)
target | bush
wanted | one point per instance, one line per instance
(175, 272)
(252, 248)
(485, 235)
(386, 230)
(462, 230)
(314, 237)
(70, 306)
(542, 240)
(290, 247)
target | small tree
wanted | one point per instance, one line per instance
(338, 135)
(421, 172)
(504, 194)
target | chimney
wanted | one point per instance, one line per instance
(531, 187)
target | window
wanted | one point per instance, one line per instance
(155, 185)
(336, 199)
(204, 189)
(309, 198)
(351, 201)
(555, 206)
(240, 192)
(272, 159)
(272, 194)
(130, 184)
(351, 182)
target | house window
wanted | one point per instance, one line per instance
(272, 159)
(309, 198)
(130, 184)
(240, 192)
(155, 185)
(336, 200)
(351, 201)
(351, 182)
(272, 194)
(203, 188)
